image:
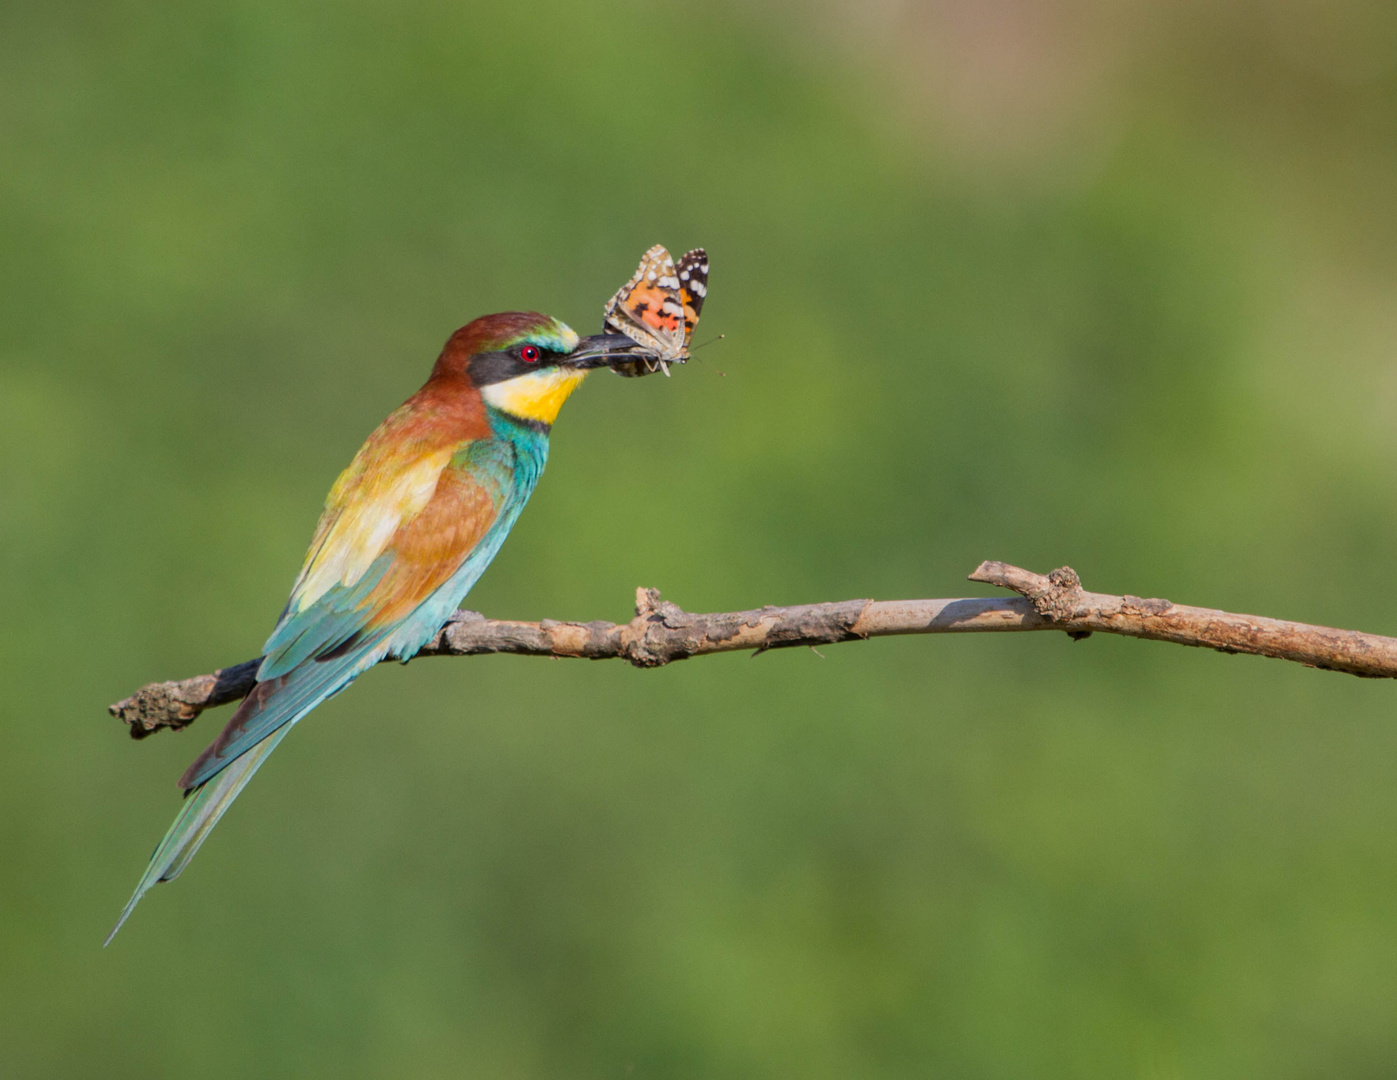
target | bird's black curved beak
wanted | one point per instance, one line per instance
(603, 350)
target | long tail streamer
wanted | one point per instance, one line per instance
(202, 809)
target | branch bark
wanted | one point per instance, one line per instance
(662, 632)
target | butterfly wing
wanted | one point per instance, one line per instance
(617, 316)
(648, 309)
(692, 273)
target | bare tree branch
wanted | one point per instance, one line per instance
(661, 632)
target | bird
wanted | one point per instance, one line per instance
(407, 530)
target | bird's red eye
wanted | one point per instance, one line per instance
(529, 354)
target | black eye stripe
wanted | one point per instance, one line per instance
(494, 367)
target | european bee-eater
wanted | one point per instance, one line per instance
(407, 529)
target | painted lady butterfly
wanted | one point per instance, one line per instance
(658, 309)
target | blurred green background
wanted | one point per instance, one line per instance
(1101, 284)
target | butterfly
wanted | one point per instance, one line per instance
(658, 309)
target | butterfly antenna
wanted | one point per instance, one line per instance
(710, 341)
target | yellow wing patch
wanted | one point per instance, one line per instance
(364, 510)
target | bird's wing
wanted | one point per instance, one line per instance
(390, 537)
(389, 482)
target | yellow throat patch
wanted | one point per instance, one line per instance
(536, 395)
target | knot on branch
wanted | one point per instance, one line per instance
(644, 641)
(1060, 597)
(155, 706)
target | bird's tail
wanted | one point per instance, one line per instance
(203, 806)
(220, 773)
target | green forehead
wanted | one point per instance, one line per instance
(553, 334)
